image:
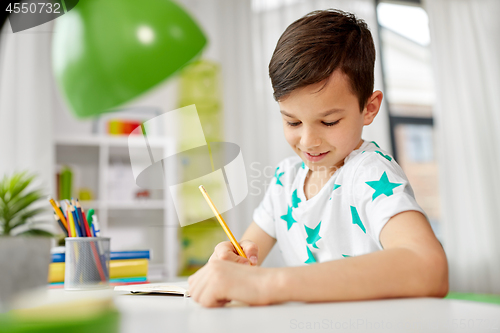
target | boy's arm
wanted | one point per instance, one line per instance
(412, 264)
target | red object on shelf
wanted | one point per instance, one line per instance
(129, 126)
(142, 194)
(122, 127)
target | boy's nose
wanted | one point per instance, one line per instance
(309, 139)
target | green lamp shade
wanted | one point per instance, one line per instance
(107, 52)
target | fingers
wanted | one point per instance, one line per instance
(226, 251)
(202, 288)
(212, 257)
(251, 250)
(220, 281)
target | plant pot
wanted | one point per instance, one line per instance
(24, 264)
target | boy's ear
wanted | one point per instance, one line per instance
(372, 107)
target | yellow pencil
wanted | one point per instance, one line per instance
(57, 210)
(222, 223)
(71, 224)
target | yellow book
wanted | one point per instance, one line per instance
(56, 272)
(118, 269)
(128, 268)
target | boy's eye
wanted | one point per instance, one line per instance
(293, 124)
(331, 124)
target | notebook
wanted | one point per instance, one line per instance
(173, 288)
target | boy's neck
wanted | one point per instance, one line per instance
(315, 180)
(324, 173)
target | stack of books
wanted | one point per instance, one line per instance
(125, 267)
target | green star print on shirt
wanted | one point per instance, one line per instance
(295, 199)
(383, 186)
(335, 186)
(289, 218)
(310, 259)
(278, 176)
(313, 235)
(387, 157)
(356, 219)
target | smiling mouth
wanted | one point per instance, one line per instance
(315, 154)
(316, 157)
(318, 154)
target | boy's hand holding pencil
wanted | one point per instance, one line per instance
(231, 251)
(226, 251)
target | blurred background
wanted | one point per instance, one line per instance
(437, 64)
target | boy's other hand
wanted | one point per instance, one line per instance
(221, 281)
(226, 251)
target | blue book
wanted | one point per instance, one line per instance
(117, 255)
(58, 257)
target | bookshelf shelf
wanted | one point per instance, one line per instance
(146, 204)
(78, 140)
(137, 204)
(117, 141)
(101, 163)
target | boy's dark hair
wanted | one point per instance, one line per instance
(317, 44)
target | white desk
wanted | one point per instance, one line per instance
(152, 313)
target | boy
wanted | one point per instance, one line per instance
(342, 212)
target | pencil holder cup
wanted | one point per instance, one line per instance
(87, 263)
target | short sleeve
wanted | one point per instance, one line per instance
(380, 191)
(263, 214)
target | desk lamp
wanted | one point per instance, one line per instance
(108, 52)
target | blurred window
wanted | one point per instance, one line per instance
(410, 97)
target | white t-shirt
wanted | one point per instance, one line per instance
(345, 218)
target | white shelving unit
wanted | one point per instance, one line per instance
(131, 224)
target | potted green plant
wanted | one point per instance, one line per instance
(24, 261)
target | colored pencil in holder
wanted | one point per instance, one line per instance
(87, 227)
(60, 214)
(83, 219)
(77, 219)
(78, 230)
(58, 220)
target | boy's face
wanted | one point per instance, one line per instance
(326, 122)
